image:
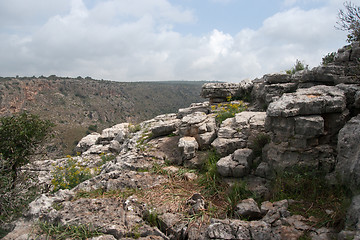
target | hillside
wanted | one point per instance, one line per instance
(79, 106)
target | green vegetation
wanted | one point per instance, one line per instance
(236, 193)
(62, 232)
(151, 216)
(313, 195)
(134, 128)
(106, 157)
(71, 174)
(210, 180)
(329, 58)
(258, 143)
(20, 137)
(101, 193)
(228, 110)
(349, 21)
(298, 66)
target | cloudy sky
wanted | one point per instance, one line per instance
(146, 40)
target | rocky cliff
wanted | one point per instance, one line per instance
(149, 189)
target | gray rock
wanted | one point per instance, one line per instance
(238, 132)
(173, 225)
(309, 126)
(348, 158)
(263, 170)
(220, 91)
(109, 134)
(86, 142)
(353, 214)
(115, 146)
(228, 229)
(165, 128)
(248, 209)
(236, 164)
(200, 126)
(277, 78)
(188, 146)
(195, 107)
(311, 101)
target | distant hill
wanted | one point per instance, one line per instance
(80, 106)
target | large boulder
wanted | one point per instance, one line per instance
(348, 158)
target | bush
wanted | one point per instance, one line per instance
(70, 175)
(298, 66)
(228, 110)
(20, 136)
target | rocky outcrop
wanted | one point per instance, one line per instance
(306, 124)
(304, 127)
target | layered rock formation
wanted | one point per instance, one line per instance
(309, 119)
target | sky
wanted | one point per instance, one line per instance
(161, 40)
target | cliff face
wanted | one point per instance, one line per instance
(306, 121)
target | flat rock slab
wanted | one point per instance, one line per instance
(310, 101)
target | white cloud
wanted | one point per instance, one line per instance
(135, 40)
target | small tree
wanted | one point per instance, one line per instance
(19, 138)
(349, 20)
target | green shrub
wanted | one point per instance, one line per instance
(20, 136)
(298, 66)
(329, 58)
(228, 110)
(71, 174)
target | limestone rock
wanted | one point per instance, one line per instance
(86, 142)
(173, 225)
(248, 209)
(218, 92)
(236, 164)
(348, 158)
(238, 132)
(311, 101)
(188, 146)
(200, 126)
(109, 134)
(195, 107)
(164, 128)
